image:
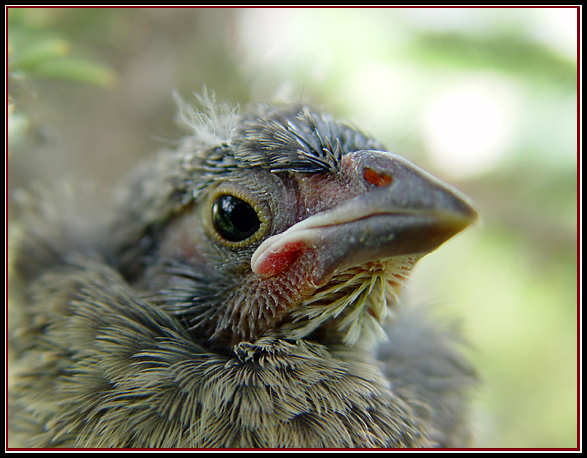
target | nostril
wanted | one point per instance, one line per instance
(376, 178)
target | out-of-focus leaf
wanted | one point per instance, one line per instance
(29, 57)
(77, 69)
(505, 53)
(37, 49)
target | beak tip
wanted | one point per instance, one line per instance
(461, 217)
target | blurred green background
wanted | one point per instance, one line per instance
(485, 98)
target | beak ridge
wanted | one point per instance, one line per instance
(404, 211)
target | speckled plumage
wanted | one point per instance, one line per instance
(137, 325)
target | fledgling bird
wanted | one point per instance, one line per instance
(242, 291)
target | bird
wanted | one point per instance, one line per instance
(240, 289)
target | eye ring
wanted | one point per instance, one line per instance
(233, 218)
(236, 220)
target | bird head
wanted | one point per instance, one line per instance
(282, 221)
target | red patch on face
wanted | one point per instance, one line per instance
(277, 262)
(378, 179)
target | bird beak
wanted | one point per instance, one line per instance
(404, 212)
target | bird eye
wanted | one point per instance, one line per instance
(234, 219)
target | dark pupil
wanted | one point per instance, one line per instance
(234, 219)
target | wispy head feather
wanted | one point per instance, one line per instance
(279, 138)
(210, 126)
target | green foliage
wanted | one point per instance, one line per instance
(37, 50)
